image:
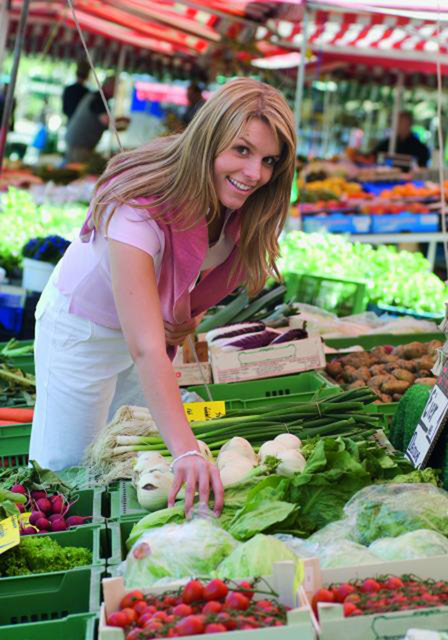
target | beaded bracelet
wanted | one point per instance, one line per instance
(184, 455)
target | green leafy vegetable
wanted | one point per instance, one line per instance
(41, 554)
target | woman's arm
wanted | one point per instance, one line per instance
(138, 306)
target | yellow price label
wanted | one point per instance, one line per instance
(24, 519)
(197, 411)
(9, 533)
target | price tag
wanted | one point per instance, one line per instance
(431, 423)
(24, 519)
(197, 411)
(9, 533)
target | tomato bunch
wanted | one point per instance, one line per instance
(384, 594)
(196, 609)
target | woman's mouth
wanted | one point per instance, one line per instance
(239, 186)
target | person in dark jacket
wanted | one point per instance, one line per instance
(195, 102)
(407, 142)
(74, 93)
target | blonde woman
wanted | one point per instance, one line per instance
(174, 226)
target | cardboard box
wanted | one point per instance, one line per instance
(382, 626)
(190, 374)
(266, 362)
(299, 626)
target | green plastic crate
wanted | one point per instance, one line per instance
(124, 503)
(340, 296)
(49, 596)
(118, 534)
(14, 445)
(380, 339)
(303, 384)
(90, 536)
(75, 627)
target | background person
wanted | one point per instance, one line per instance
(407, 142)
(89, 122)
(173, 227)
(195, 102)
(74, 93)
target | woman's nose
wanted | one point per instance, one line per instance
(252, 169)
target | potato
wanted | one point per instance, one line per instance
(429, 382)
(388, 357)
(334, 368)
(411, 351)
(395, 386)
(357, 384)
(377, 381)
(358, 359)
(377, 369)
(385, 398)
(349, 374)
(425, 363)
(363, 374)
(402, 374)
(433, 346)
(396, 397)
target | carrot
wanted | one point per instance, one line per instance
(16, 414)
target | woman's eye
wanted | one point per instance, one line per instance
(270, 161)
(242, 150)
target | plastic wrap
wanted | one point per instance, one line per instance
(422, 543)
(389, 510)
(191, 549)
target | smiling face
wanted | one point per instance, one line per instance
(246, 165)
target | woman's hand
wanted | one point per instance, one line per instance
(198, 475)
(175, 334)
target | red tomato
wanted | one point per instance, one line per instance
(370, 586)
(117, 619)
(182, 610)
(248, 590)
(266, 605)
(215, 590)
(393, 583)
(193, 592)
(229, 623)
(235, 600)
(349, 608)
(342, 591)
(144, 619)
(131, 614)
(322, 595)
(135, 634)
(353, 597)
(131, 597)
(160, 615)
(170, 601)
(190, 626)
(212, 607)
(215, 627)
(140, 607)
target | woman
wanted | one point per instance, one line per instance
(174, 226)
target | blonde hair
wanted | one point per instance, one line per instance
(178, 171)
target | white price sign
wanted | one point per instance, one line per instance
(429, 427)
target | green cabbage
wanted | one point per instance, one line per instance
(255, 558)
(422, 543)
(175, 551)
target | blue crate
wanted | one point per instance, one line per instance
(12, 301)
(405, 221)
(375, 188)
(337, 223)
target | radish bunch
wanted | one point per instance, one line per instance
(49, 513)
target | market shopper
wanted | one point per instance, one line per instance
(195, 102)
(407, 142)
(74, 93)
(173, 227)
(89, 122)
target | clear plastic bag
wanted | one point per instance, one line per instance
(422, 543)
(389, 510)
(174, 551)
(345, 553)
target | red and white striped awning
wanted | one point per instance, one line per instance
(398, 42)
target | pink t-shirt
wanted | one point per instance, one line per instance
(84, 271)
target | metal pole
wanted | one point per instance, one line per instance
(396, 112)
(301, 72)
(12, 82)
(119, 71)
(4, 26)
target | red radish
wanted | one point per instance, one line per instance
(57, 503)
(75, 521)
(37, 495)
(59, 524)
(43, 523)
(54, 516)
(21, 507)
(35, 516)
(19, 488)
(43, 504)
(43, 531)
(28, 531)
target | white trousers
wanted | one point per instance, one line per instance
(84, 373)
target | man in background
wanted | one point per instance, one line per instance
(195, 102)
(88, 123)
(407, 142)
(74, 93)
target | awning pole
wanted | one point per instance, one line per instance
(114, 111)
(4, 26)
(396, 112)
(20, 37)
(301, 73)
